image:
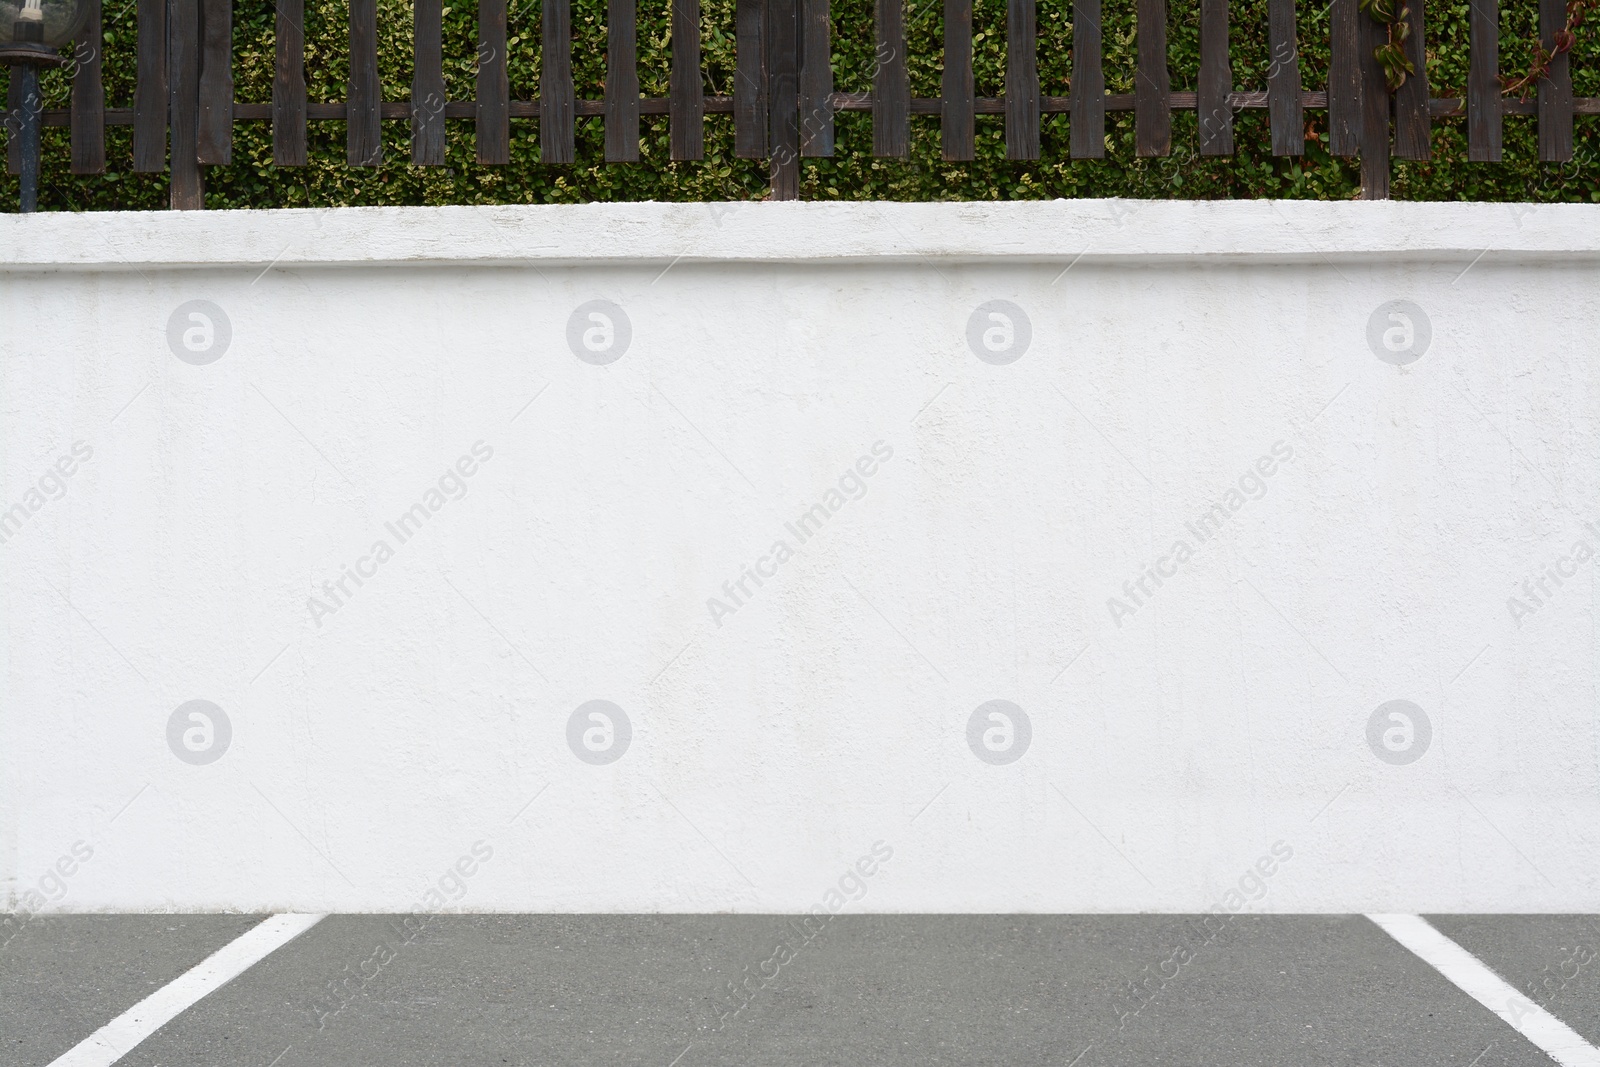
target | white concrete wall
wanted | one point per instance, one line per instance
(990, 516)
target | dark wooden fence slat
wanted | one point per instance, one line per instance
(1344, 77)
(1483, 82)
(492, 113)
(816, 78)
(622, 82)
(88, 98)
(428, 94)
(891, 83)
(556, 110)
(1215, 83)
(187, 189)
(1152, 90)
(750, 80)
(289, 86)
(1555, 89)
(364, 128)
(783, 96)
(214, 136)
(150, 89)
(1413, 123)
(1022, 80)
(686, 89)
(1285, 108)
(958, 108)
(1088, 88)
(1374, 111)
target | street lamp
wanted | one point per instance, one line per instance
(31, 35)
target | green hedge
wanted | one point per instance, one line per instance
(852, 174)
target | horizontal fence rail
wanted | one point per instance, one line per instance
(783, 103)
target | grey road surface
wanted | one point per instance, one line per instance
(658, 991)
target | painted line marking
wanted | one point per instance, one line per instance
(118, 1037)
(1474, 978)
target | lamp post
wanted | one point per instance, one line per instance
(31, 35)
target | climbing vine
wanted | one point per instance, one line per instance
(1562, 42)
(1391, 55)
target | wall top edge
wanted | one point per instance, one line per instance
(1125, 231)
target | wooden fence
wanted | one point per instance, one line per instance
(783, 101)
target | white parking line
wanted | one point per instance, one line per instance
(117, 1038)
(1473, 977)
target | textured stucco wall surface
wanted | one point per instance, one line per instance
(1273, 525)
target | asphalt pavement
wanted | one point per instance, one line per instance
(782, 991)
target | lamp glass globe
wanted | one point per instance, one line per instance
(46, 24)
